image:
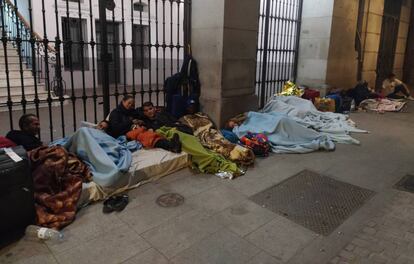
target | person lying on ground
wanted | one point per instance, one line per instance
(150, 139)
(395, 89)
(122, 117)
(155, 119)
(29, 127)
(211, 138)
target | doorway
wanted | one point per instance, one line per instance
(389, 38)
(113, 51)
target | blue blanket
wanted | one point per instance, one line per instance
(285, 134)
(107, 158)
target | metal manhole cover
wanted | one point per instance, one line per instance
(316, 202)
(406, 184)
(170, 200)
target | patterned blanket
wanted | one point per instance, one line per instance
(57, 177)
(214, 140)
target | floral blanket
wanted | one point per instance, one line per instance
(57, 178)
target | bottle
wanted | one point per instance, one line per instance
(43, 233)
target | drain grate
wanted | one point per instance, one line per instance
(316, 202)
(170, 200)
(406, 184)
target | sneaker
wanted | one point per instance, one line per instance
(176, 144)
(410, 98)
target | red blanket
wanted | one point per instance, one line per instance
(57, 177)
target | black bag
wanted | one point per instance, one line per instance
(16, 196)
(182, 87)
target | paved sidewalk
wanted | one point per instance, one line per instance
(388, 237)
(218, 224)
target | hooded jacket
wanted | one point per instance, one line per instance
(120, 121)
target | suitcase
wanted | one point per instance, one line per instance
(311, 94)
(16, 195)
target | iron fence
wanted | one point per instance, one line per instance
(69, 61)
(278, 44)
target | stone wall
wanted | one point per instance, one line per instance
(327, 53)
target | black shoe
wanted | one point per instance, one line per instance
(115, 203)
(176, 144)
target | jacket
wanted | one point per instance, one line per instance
(120, 121)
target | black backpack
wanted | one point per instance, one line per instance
(182, 87)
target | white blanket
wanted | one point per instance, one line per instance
(337, 126)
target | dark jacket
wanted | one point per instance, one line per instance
(165, 119)
(29, 142)
(120, 121)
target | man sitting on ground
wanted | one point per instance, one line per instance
(29, 127)
(395, 89)
(154, 119)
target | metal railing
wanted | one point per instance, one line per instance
(95, 54)
(278, 44)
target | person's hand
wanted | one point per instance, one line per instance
(138, 122)
(151, 130)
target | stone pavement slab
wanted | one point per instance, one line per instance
(221, 247)
(281, 238)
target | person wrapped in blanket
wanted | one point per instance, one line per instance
(213, 139)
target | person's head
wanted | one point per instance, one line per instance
(103, 125)
(391, 76)
(128, 102)
(148, 109)
(191, 106)
(231, 124)
(30, 124)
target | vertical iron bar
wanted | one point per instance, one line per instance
(269, 55)
(33, 58)
(104, 57)
(157, 47)
(149, 53)
(95, 96)
(69, 44)
(114, 55)
(58, 70)
(142, 61)
(133, 47)
(81, 44)
(45, 46)
(281, 43)
(6, 63)
(18, 40)
(123, 46)
(171, 38)
(266, 40)
(178, 35)
(298, 29)
(164, 45)
(260, 49)
(274, 50)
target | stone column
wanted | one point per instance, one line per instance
(224, 40)
(327, 55)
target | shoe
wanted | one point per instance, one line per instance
(410, 98)
(115, 203)
(176, 144)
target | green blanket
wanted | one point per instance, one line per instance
(204, 160)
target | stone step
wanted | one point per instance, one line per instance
(12, 59)
(30, 102)
(18, 91)
(15, 75)
(16, 82)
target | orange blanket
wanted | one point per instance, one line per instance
(147, 138)
(57, 178)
